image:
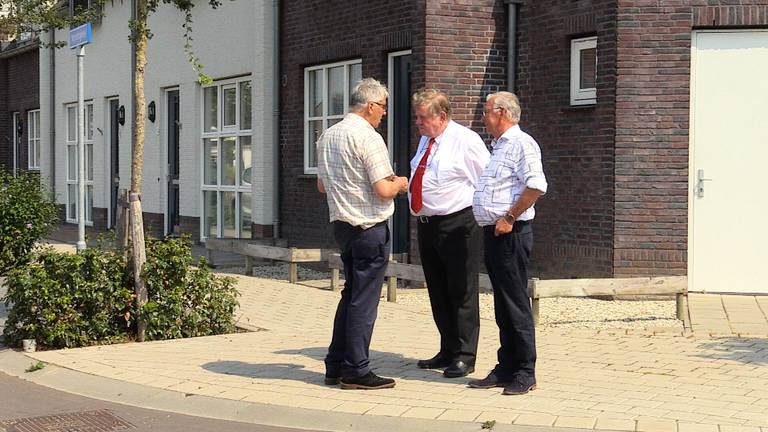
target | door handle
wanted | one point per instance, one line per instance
(700, 183)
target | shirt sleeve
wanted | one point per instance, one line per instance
(376, 160)
(530, 167)
(476, 157)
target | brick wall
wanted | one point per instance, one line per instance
(19, 92)
(316, 32)
(652, 114)
(574, 221)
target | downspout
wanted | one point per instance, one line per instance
(52, 109)
(512, 9)
(276, 119)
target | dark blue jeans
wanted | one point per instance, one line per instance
(365, 254)
(506, 258)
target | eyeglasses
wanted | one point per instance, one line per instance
(485, 112)
(383, 106)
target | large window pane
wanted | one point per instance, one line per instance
(89, 203)
(71, 162)
(245, 105)
(228, 161)
(210, 221)
(71, 123)
(210, 109)
(315, 130)
(71, 201)
(245, 215)
(228, 211)
(245, 160)
(89, 161)
(230, 106)
(588, 68)
(89, 122)
(336, 90)
(211, 160)
(315, 108)
(355, 75)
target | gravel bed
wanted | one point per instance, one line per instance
(584, 313)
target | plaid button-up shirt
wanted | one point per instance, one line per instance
(351, 157)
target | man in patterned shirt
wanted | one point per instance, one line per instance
(355, 173)
(503, 206)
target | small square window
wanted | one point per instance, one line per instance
(584, 71)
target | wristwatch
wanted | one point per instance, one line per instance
(510, 219)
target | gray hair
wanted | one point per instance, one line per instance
(366, 90)
(509, 102)
(435, 101)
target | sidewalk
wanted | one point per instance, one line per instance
(605, 380)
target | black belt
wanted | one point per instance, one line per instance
(428, 219)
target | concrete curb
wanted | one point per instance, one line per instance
(15, 363)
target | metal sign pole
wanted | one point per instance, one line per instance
(80, 150)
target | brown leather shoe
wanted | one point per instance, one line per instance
(519, 386)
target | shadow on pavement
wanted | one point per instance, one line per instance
(383, 363)
(744, 350)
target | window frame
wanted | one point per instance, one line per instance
(324, 117)
(579, 95)
(219, 135)
(33, 139)
(71, 178)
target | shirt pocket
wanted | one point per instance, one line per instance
(502, 186)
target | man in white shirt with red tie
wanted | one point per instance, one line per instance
(444, 172)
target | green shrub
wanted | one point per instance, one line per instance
(28, 212)
(184, 301)
(67, 300)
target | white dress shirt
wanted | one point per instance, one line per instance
(515, 165)
(455, 163)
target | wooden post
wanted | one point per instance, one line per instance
(680, 303)
(293, 268)
(335, 279)
(534, 300)
(139, 258)
(392, 289)
(248, 265)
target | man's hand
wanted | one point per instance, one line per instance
(403, 184)
(502, 227)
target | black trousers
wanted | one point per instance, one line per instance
(365, 254)
(506, 258)
(449, 247)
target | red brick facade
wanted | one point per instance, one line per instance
(19, 92)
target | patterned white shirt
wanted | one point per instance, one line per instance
(454, 165)
(515, 165)
(351, 157)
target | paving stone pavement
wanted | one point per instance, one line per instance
(727, 315)
(652, 381)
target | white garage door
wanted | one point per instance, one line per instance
(728, 204)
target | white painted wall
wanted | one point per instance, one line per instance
(233, 40)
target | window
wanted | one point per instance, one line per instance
(72, 167)
(584, 71)
(226, 146)
(326, 101)
(33, 139)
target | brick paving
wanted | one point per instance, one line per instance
(605, 380)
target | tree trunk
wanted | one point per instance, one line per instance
(137, 163)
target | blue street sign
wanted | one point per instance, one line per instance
(79, 36)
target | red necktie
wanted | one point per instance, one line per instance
(416, 203)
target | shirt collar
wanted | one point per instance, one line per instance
(358, 120)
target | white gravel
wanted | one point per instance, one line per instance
(583, 313)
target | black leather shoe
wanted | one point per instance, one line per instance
(520, 386)
(332, 380)
(435, 362)
(458, 369)
(369, 381)
(488, 382)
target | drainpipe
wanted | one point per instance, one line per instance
(512, 10)
(52, 109)
(276, 119)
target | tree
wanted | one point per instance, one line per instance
(40, 16)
